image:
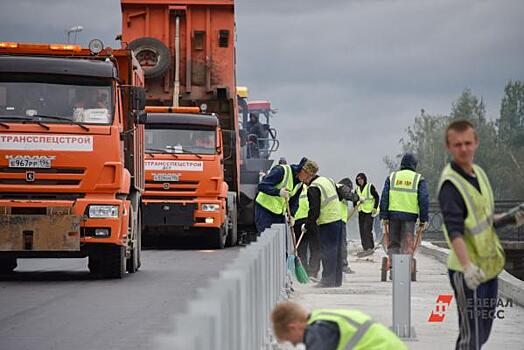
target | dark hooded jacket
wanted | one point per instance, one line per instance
(275, 176)
(408, 162)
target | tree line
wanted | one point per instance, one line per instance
(501, 150)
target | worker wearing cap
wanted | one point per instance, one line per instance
(404, 200)
(325, 216)
(331, 329)
(283, 183)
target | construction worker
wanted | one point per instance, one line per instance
(283, 183)
(476, 258)
(345, 217)
(310, 240)
(404, 200)
(367, 211)
(324, 215)
(331, 329)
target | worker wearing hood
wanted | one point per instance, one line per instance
(404, 200)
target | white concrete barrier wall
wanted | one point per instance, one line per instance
(233, 312)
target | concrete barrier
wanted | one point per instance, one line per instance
(232, 313)
(509, 286)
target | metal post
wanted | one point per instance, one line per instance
(401, 274)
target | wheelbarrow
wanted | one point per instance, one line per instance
(386, 263)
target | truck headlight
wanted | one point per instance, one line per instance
(210, 207)
(103, 211)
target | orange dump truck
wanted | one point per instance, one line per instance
(192, 162)
(71, 148)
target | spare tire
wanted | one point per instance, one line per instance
(153, 56)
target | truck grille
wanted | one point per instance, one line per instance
(180, 187)
(48, 177)
(41, 196)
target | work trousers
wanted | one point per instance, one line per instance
(401, 237)
(264, 218)
(331, 251)
(345, 262)
(310, 244)
(483, 311)
(365, 225)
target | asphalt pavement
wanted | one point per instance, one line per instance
(58, 304)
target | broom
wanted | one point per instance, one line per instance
(300, 271)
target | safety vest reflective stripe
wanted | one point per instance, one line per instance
(325, 198)
(303, 204)
(481, 225)
(367, 201)
(403, 191)
(329, 203)
(277, 204)
(361, 328)
(394, 187)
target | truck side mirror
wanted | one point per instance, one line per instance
(138, 98)
(140, 117)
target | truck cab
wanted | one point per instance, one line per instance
(70, 131)
(185, 189)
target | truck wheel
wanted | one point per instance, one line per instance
(153, 56)
(218, 238)
(113, 261)
(7, 265)
(133, 262)
(232, 218)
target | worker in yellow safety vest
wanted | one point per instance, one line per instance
(309, 248)
(467, 205)
(325, 217)
(404, 200)
(345, 185)
(367, 211)
(282, 184)
(331, 329)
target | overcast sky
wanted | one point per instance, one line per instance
(347, 77)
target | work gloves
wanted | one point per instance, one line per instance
(422, 224)
(284, 193)
(303, 228)
(473, 276)
(291, 221)
(374, 212)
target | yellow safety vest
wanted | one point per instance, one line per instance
(482, 243)
(277, 204)
(329, 203)
(358, 331)
(403, 191)
(367, 201)
(343, 208)
(303, 204)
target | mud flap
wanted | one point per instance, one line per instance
(57, 230)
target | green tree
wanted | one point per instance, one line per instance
(511, 135)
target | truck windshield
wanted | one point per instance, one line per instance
(181, 141)
(87, 104)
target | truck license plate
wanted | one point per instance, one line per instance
(30, 162)
(165, 177)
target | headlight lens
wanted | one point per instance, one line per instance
(210, 207)
(103, 211)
